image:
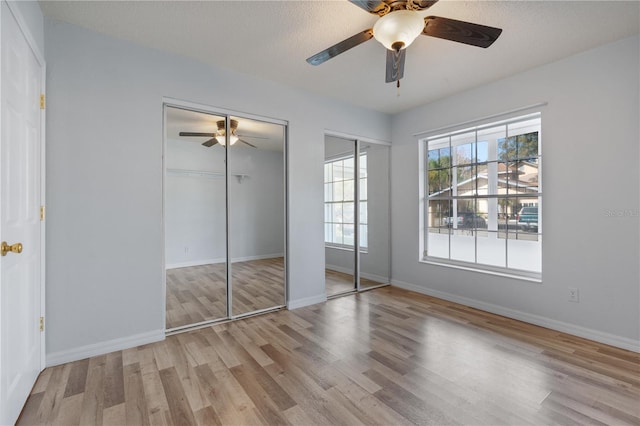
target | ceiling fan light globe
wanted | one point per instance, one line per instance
(402, 26)
(221, 140)
(233, 139)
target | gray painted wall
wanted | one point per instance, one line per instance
(104, 174)
(590, 146)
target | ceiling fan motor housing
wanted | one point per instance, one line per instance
(233, 123)
(398, 28)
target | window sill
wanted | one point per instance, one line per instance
(514, 274)
(345, 248)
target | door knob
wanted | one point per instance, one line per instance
(13, 248)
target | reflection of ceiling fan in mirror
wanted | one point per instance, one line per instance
(219, 136)
(400, 23)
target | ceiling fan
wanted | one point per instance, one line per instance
(400, 24)
(219, 136)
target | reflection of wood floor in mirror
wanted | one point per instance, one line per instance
(198, 293)
(339, 282)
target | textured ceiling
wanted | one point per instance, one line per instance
(273, 39)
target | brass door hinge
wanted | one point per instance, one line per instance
(42, 101)
(41, 323)
(42, 213)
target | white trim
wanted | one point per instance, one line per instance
(306, 301)
(352, 137)
(564, 327)
(106, 347)
(516, 274)
(335, 246)
(373, 277)
(480, 121)
(222, 260)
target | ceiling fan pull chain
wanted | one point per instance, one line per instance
(398, 88)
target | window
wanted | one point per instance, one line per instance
(482, 197)
(339, 202)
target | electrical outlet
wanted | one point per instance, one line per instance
(573, 295)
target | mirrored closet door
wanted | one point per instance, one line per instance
(356, 212)
(375, 238)
(225, 215)
(256, 215)
(339, 215)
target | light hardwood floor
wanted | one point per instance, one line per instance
(387, 356)
(199, 293)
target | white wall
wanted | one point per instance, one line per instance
(590, 146)
(104, 171)
(195, 205)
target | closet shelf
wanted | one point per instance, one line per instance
(205, 174)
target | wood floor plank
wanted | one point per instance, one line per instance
(50, 405)
(70, 410)
(181, 413)
(115, 415)
(259, 376)
(93, 404)
(77, 378)
(135, 400)
(114, 380)
(387, 357)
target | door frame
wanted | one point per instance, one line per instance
(24, 28)
(209, 109)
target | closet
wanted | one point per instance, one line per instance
(224, 214)
(356, 214)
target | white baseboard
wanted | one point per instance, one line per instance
(587, 333)
(299, 303)
(372, 277)
(102, 348)
(221, 260)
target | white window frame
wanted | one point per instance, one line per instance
(357, 222)
(424, 255)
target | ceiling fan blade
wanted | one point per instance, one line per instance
(245, 142)
(377, 7)
(252, 137)
(211, 142)
(341, 47)
(197, 134)
(460, 31)
(395, 65)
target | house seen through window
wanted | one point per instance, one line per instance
(339, 202)
(482, 196)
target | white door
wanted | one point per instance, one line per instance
(20, 191)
